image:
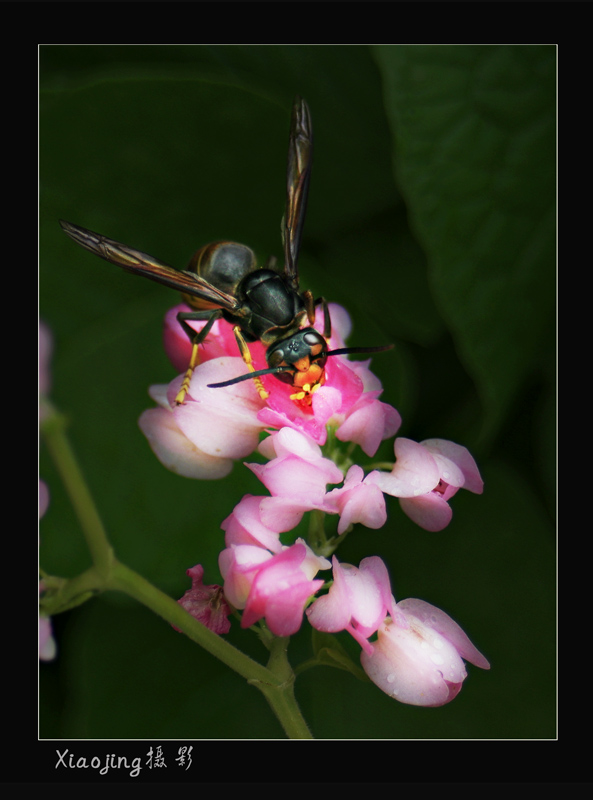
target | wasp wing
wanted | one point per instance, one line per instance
(300, 151)
(142, 264)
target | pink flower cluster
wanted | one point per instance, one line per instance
(261, 575)
(417, 652)
(297, 477)
(417, 657)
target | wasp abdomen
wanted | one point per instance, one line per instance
(223, 264)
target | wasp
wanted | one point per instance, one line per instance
(224, 281)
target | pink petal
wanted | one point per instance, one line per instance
(303, 481)
(281, 411)
(283, 513)
(326, 402)
(221, 422)
(45, 352)
(370, 381)
(462, 458)
(435, 618)
(429, 511)
(340, 321)
(43, 498)
(279, 592)
(47, 643)
(312, 563)
(358, 502)
(331, 612)
(365, 595)
(288, 441)
(375, 567)
(364, 425)
(415, 471)
(414, 669)
(176, 452)
(284, 614)
(340, 376)
(238, 566)
(245, 526)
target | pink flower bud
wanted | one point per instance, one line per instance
(207, 604)
(420, 664)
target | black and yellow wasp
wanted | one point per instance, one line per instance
(223, 281)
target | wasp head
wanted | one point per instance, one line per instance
(304, 355)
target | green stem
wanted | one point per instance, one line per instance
(276, 681)
(281, 697)
(125, 580)
(388, 465)
(53, 428)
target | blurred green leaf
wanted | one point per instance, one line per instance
(474, 135)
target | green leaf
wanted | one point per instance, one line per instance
(473, 131)
(331, 653)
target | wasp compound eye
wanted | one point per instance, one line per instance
(312, 338)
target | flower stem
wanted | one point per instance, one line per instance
(275, 681)
(281, 697)
(53, 428)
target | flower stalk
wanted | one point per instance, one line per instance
(53, 428)
(275, 681)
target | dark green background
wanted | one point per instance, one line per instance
(432, 219)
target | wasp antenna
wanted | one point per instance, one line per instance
(344, 351)
(248, 375)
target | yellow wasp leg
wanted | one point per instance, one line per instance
(196, 339)
(246, 356)
(193, 363)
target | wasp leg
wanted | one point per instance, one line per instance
(310, 306)
(196, 338)
(327, 323)
(246, 355)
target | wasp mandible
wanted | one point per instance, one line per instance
(223, 281)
